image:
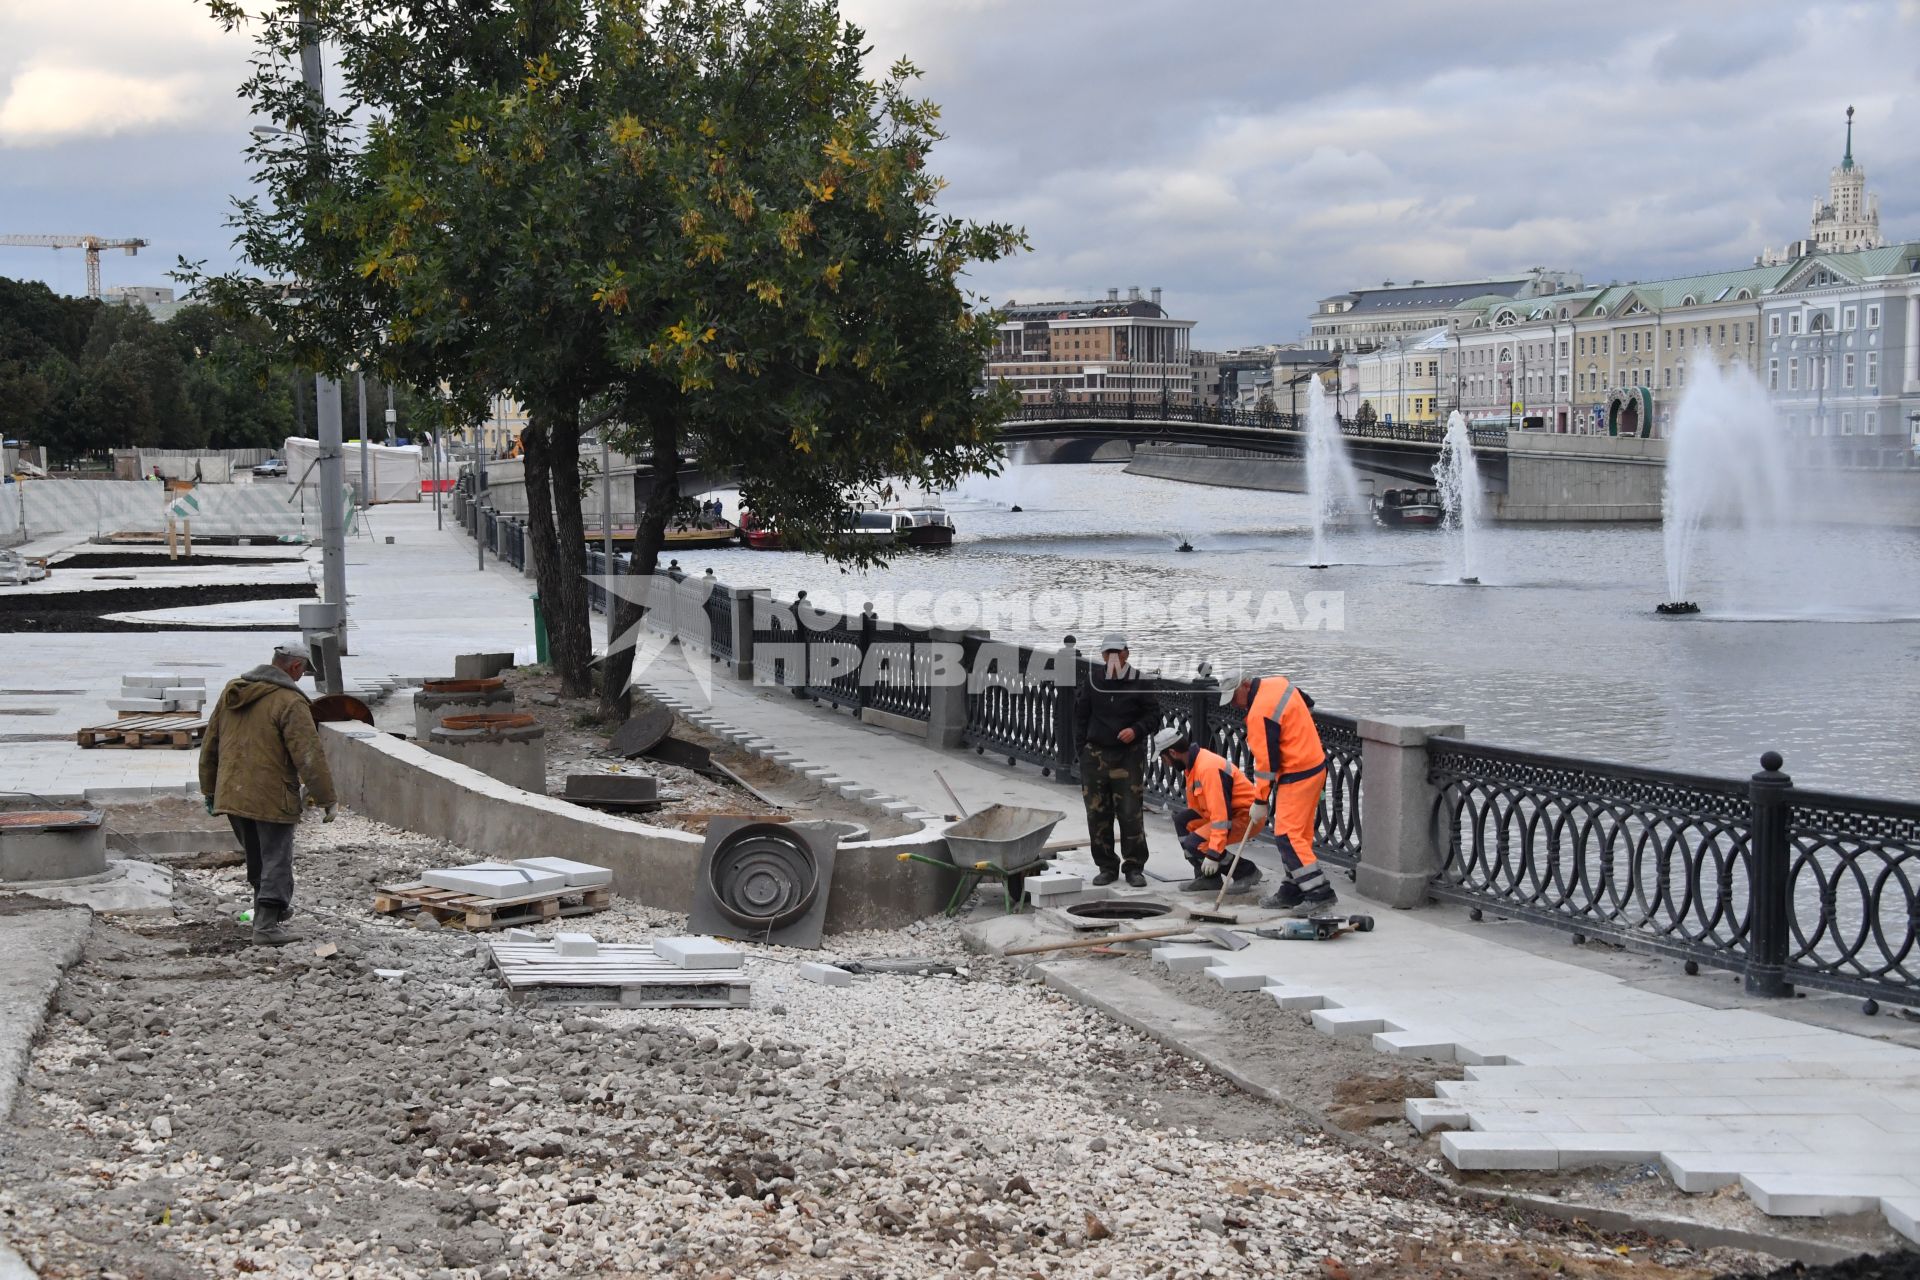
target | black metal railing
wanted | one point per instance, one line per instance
(1784, 886)
(1227, 416)
(899, 661)
(719, 608)
(1020, 702)
(1852, 874)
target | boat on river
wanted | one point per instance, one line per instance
(1408, 509)
(926, 525)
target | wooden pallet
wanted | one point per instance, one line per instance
(476, 913)
(624, 975)
(177, 730)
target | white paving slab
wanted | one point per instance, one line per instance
(698, 953)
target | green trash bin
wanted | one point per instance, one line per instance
(539, 631)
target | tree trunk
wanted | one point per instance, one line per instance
(569, 628)
(552, 476)
(649, 535)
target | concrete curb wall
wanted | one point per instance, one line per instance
(400, 783)
(40, 946)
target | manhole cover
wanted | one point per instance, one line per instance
(1118, 909)
(763, 877)
(51, 819)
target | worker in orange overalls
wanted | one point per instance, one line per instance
(1218, 812)
(1289, 770)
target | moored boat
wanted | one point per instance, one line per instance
(927, 525)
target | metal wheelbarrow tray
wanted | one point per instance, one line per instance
(1004, 835)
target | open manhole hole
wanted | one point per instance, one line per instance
(1118, 909)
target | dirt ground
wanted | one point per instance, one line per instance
(199, 1107)
(82, 610)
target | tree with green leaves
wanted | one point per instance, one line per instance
(702, 216)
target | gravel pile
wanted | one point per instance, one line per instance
(200, 1107)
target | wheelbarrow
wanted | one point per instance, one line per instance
(1002, 842)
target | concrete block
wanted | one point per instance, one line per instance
(1819, 1195)
(184, 693)
(521, 935)
(698, 953)
(1294, 999)
(827, 975)
(1186, 959)
(1053, 884)
(1415, 1044)
(1428, 1114)
(1699, 1172)
(1903, 1215)
(495, 880)
(575, 944)
(1349, 1022)
(1582, 1150)
(480, 666)
(150, 706)
(148, 680)
(1499, 1151)
(579, 875)
(1232, 978)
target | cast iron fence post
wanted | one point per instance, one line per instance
(1767, 936)
(868, 620)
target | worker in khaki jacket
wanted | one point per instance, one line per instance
(1217, 815)
(260, 749)
(1289, 771)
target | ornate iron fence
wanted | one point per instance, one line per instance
(1019, 703)
(900, 662)
(1852, 876)
(719, 607)
(1783, 886)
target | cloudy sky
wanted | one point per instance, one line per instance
(1249, 156)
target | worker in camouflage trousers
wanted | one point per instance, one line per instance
(1113, 715)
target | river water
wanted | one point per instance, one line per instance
(1559, 649)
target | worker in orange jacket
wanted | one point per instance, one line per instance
(1217, 815)
(1289, 771)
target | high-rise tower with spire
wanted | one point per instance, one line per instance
(1849, 218)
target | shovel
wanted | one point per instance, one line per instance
(1218, 935)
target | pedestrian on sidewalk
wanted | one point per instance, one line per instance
(1113, 714)
(260, 749)
(1218, 813)
(1289, 770)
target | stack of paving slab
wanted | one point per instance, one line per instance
(521, 878)
(155, 693)
(578, 970)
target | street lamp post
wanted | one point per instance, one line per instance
(366, 491)
(326, 390)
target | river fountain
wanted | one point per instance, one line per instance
(1457, 474)
(1333, 488)
(1726, 464)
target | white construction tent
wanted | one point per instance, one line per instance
(394, 472)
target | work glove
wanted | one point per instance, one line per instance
(209, 800)
(1258, 815)
(1209, 866)
(329, 813)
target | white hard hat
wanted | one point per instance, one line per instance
(1163, 739)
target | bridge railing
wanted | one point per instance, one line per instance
(1256, 419)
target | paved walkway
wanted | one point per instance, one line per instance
(413, 605)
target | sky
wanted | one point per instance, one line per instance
(1247, 156)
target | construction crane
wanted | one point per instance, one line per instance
(92, 244)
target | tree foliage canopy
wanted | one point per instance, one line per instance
(703, 213)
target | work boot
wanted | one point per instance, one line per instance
(1136, 879)
(1202, 884)
(1318, 903)
(1245, 877)
(1103, 878)
(269, 929)
(1285, 898)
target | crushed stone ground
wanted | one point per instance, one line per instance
(199, 1107)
